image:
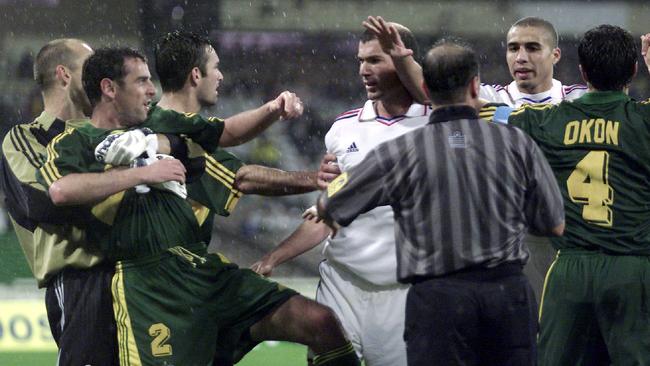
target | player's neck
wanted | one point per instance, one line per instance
(60, 105)
(536, 89)
(393, 105)
(181, 101)
(106, 116)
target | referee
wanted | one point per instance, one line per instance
(464, 193)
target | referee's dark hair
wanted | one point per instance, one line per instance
(608, 57)
(449, 67)
(177, 53)
(106, 63)
(404, 33)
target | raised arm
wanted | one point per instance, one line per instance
(307, 236)
(244, 126)
(408, 70)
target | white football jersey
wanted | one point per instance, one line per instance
(367, 246)
(511, 95)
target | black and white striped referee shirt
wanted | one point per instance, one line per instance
(464, 192)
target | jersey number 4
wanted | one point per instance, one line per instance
(587, 185)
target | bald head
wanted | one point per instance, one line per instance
(449, 67)
(405, 34)
(68, 52)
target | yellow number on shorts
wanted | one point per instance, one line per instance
(161, 334)
(588, 185)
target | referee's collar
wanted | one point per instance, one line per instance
(452, 113)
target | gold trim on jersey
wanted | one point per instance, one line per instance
(487, 112)
(226, 177)
(106, 210)
(548, 274)
(127, 347)
(200, 212)
(223, 258)
(49, 168)
(536, 107)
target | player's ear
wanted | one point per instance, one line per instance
(475, 87)
(107, 87)
(557, 55)
(195, 76)
(62, 74)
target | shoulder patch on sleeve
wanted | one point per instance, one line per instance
(337, 184)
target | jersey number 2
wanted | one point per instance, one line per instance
(588, 185)
(161, 333)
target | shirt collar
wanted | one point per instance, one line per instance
(452, 113)
(46, 120)
(601, 97)
(555, 93)
(368, 112)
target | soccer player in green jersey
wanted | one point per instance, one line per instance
(170, 295)
(594, 305)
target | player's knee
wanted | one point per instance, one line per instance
(324, 322)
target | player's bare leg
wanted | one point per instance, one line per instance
(305, 321)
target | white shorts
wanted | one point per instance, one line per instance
(372, 316)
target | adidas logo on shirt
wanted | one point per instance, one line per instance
(352, 148)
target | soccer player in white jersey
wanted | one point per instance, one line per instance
(358, 278)
(532, 52)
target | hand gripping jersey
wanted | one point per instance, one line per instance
(511, 95)
(367, 246)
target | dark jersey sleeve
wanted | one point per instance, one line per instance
(204, 131)
(70, 152)
(214, 188)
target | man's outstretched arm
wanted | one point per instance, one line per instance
(257, 179)
(307, 236)
(244, 126)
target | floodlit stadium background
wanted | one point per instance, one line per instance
(265, 46)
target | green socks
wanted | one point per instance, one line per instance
(342, 356)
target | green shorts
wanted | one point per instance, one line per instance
(595, 310)
(176, 307)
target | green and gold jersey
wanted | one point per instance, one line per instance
(131, 225)
(598, 147)
(213, 192)
(126, 225)
(48, 235)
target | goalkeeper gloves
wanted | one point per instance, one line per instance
(172, 186)
(123, 148)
